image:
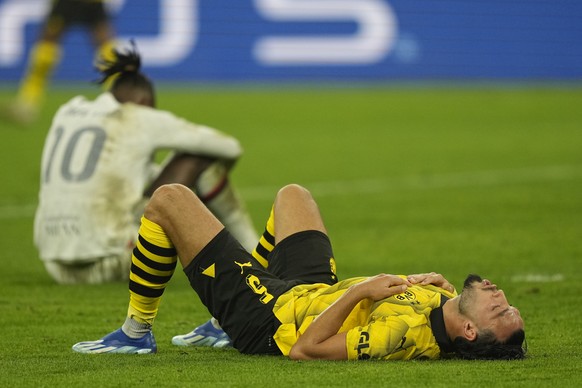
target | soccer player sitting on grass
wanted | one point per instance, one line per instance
(297, 307)
(99, 169)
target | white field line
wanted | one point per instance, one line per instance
(382, 185)
(538, 278)
(426, 182)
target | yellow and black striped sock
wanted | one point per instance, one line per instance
(266, 242)
(152, 265)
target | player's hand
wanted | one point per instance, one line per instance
(382, 286)
(436, 279)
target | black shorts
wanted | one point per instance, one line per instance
(66, 13)
(241, 293)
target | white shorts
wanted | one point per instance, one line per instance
(104, 270)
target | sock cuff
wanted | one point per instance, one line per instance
(134, 327)
(154, 234)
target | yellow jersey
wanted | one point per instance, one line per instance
(395, 328)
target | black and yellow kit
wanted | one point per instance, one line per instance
(66, 13)
(395, 328)
(264, 311)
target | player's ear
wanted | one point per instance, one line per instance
(469, 330)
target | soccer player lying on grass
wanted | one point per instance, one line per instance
(296, 307)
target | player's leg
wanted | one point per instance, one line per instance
(102, 32)
(175, 223)
(239, 292)
(214, 188)
(290, 201)
(210, 333)
(183, 219)
(303, 252)
(43, 57)
(296, 211)
(266, 243)
(209, 179)
(179, 168)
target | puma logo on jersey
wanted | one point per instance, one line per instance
(242, 265)
(401, 346)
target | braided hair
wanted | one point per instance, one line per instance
(124, 75)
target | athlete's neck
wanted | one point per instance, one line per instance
(453, 318)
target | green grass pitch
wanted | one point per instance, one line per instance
(482, 179)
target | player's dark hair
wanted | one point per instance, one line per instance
(125, 68)
(487, 347)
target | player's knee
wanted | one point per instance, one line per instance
(294, 191)
(164, 199)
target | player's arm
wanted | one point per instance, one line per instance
(436, 279)
(321, 340)
(175, 133)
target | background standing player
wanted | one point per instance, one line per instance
(46, 53)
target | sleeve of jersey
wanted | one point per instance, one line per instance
(171, 132)
(382, 339)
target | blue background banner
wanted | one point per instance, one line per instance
(327, 40)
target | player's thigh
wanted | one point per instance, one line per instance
(304, 257)
(295, 211)
(184, 218)
(237, 291)
(86, 13)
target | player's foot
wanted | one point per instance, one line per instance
(209, 334)
(118, 342)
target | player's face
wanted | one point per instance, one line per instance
(488, 307)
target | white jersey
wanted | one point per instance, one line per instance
(96, 163)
